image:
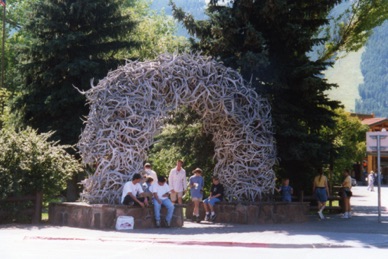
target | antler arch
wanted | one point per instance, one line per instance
(128, 107)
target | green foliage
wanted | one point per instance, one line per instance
(69, 43)
(155, 33)
(268, 42)
(351, 27)
(348, 143)
(30, 163)
(374, 90)
(183, 138)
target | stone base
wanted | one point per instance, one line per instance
(262, 213)
(103, 216)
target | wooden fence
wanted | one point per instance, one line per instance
(32, 208)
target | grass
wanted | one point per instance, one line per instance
(45, 216)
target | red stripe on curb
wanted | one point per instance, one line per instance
(197, 243)
(191, 243)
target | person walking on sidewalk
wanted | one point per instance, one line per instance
(346, 194)
(321, 191)
(371, 179)
(216, 195)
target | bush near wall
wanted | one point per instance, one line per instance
(31, 163)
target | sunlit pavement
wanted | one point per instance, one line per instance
(363, 234)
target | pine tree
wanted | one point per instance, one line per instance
(69, 44)
(268, 42)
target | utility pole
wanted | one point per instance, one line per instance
(377, 143)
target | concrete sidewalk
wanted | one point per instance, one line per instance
(361, 231)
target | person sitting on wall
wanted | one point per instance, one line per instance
(216, 195)
(161, 191)
(133, 193)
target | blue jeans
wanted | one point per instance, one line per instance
(166, 203)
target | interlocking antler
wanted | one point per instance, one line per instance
(128, 107)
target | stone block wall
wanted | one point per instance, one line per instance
(262, 213)
(103, 216)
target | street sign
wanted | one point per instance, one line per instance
(371, 142)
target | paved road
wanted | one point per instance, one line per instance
(363, 235)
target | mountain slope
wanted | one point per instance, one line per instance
(347, 74)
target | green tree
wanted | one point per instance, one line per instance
(268, 42)
(69, 43)
(183, 138)
(348, 144)
(351, 25)
(156, 32)
(30, 163)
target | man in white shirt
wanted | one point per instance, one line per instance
(160, 191)
(178, 182)
(149, 172)
(133, 192)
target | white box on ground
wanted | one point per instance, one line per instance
(125, 223)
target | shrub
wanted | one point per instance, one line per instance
(30, 163)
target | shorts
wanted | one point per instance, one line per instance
(212, 201)
(174, 196)
(346, 193)
(321, 194)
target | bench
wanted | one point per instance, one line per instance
(17, 209)
(329, 205)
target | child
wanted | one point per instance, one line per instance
(286, 190)
(196, 190)
(146, 186)
(216, 195)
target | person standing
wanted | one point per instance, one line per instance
(371, 179)
(178, 182)
(286, 190)
(196, 191)
(346, 194)
(216, 195)
(161, 191)
(149, 172)
(133, 193)
(321, 191)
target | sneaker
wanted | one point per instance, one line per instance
(321, 216)
(198, 219)
(207, 217)
(158, 223)
(213, 217)
(349, 215)
(345, 216)
(167, 224)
